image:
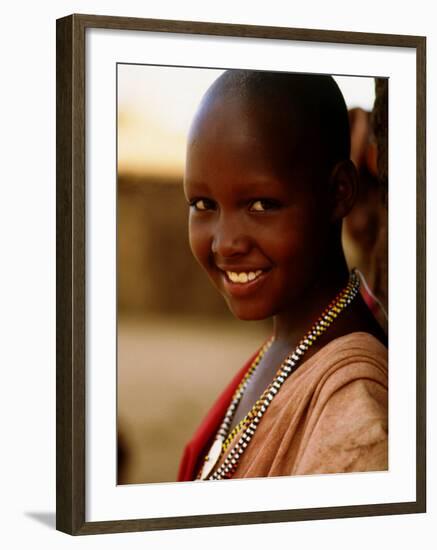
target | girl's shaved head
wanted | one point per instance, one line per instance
(306, 114)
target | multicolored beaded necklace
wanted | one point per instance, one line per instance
(250, 422)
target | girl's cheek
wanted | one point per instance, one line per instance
(198, 245)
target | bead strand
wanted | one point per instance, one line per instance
(227, 421)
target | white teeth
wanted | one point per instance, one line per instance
(243, 277)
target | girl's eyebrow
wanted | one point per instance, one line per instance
(249, 187)
(195, 183)
(258, 186)
(195, 189)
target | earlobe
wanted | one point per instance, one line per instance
(343, 186)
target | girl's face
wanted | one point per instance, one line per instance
(258, 222)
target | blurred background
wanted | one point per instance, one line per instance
(178, 344)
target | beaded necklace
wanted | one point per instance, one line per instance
(250, 422)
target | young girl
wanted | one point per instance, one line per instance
(269, 180)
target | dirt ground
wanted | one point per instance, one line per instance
(170, 370)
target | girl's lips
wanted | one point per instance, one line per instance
(243, 289)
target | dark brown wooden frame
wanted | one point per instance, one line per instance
(70, 274)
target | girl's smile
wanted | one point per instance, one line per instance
(243, 283)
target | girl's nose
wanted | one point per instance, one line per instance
(229, 239)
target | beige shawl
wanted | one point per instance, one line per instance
(329, 416)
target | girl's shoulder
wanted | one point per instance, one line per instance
(368, 343)
(345, 360)
(353, 347)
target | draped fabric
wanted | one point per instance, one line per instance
(330, 416)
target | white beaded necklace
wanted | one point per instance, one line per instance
(289, 365)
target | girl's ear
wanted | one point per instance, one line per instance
(343, 187)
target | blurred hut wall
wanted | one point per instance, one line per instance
(157, 273)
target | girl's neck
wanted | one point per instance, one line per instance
(290, 325)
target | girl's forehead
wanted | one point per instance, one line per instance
(250, 115)
(242, 134)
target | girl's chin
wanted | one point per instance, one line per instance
(247, 313)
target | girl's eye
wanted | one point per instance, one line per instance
(261, 205)
(201, 204)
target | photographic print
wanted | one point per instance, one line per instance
(185, 136)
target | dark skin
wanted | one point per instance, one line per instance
(258, 202)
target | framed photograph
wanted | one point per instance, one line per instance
(241, 324)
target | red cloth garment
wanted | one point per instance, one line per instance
(371, 303)
(202, 439)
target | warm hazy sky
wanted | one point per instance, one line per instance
(157, 104)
